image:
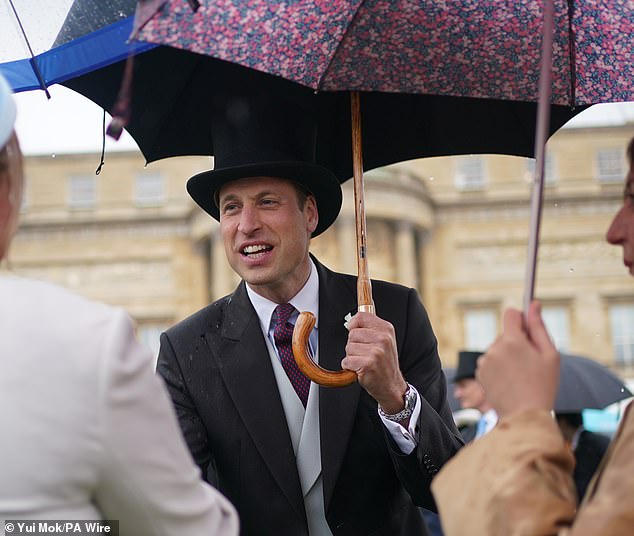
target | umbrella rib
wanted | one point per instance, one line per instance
(343, 35)
(17, 18)
(32, 61)
(572, 53)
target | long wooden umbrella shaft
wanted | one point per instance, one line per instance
(365, 303)
(364, 286)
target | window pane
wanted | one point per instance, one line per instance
(480, 328)
(469, 172)
(621, 322)
(149, 335)
(82, 191)
(549, 169)
(149, 189)
(610, 165)
(556, 320)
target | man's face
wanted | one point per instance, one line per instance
(266, 234)
(470, 393)
(621, 231)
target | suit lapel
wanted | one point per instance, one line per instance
(337, 407)
(245, 365)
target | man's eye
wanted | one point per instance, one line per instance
(268, 202)
(230, 207)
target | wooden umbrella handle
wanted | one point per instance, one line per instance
(306, 321)
(303, 326)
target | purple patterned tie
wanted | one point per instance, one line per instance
(283, 335)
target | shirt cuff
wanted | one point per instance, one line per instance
(406, 439)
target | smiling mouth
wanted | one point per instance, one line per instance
(255, 250)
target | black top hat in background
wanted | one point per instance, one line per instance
(266, 136)
(467, 363)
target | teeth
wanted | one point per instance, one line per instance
(254, 249)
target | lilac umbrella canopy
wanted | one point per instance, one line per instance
(464, 48)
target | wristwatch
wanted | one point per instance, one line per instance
(406, 412)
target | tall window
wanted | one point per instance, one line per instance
(558, 325)
(469, 172)
(622, 325)
(480, 328)
(549, 169)
(610, 165)
(149, 334)
(149, 188)
(82, 191)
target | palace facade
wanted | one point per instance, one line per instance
(455, 228)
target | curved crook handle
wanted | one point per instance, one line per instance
(303, 326)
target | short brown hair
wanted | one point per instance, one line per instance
(302, 194)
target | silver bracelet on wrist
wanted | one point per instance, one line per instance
(406, 412)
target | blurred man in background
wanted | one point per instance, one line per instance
(471, 395)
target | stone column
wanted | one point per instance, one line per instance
(406, 254)
(347, 238)
(422, 239)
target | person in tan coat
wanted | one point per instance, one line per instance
(517, 480)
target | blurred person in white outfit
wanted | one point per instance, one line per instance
(88, 431)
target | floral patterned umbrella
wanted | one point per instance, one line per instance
(438, 77)
(172, 90)
(466, 48)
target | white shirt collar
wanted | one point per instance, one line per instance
(490, 418)
(575, 438)
(307, 299)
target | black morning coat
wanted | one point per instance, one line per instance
(219, 375)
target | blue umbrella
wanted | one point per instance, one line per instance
(43, 43)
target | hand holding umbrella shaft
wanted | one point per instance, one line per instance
(520, 371)
(371, 353)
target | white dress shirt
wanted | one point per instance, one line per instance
(486, 423)
(307, 299)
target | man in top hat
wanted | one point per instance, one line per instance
(296, 459)
(471, 395)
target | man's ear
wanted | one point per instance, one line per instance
(311, 212)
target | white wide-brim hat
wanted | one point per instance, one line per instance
(7, 111)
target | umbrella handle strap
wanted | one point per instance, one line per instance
(301, 352)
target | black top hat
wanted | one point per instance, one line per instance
(467, 363)
(266, 136)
